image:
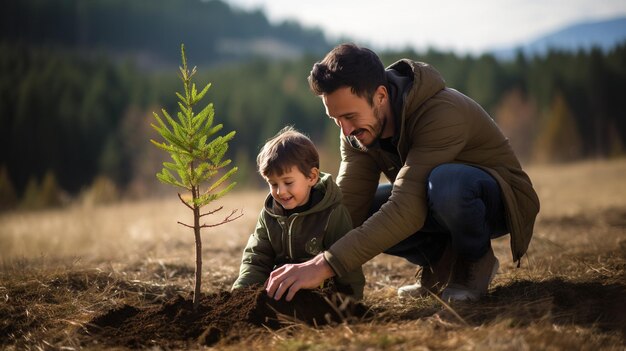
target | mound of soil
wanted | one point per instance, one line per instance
(225, 315)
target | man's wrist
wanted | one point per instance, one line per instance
(329, 271)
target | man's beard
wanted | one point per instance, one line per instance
(378, 128)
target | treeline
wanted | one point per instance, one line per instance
(62, 112)
(72, 120)
(79, 81)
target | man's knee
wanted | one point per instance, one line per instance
(451, 181)
(447, 187)
(456, 191)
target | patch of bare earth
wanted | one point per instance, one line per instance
(120, 278)
(225, 316)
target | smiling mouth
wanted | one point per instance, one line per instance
(357, 133)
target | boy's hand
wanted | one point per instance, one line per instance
(293, 277)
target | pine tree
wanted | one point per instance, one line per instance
(198, 157)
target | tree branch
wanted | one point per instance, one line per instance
(228, 218)
(183, 201)
(186, 225)
(212, 212)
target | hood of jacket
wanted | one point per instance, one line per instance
(413, 82)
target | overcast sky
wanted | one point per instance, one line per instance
(464, 26)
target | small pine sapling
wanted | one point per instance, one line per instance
(198, 158)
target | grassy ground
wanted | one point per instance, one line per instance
(59, 269)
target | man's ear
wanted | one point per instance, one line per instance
(314, 175)
(380, 95)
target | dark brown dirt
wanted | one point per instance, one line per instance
(219, 317)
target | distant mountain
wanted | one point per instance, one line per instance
(150, 32)
(585, 35)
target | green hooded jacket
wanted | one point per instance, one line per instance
(434, 125)
(279, 239)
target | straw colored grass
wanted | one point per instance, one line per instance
(61, 268)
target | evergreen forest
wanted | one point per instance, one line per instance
(79, 81)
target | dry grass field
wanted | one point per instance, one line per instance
(60, 269)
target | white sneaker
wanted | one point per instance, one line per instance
(412, 291)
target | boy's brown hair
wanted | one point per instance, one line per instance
(288, 148)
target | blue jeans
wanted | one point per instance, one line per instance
(465, 210)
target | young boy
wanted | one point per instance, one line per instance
(302, 216)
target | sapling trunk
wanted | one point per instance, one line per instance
(198, 240)
(198, 159)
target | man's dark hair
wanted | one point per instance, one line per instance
(289, 148)
(348, 65)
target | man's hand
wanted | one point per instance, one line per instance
(293, 277)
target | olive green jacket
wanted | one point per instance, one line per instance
(279, 239)
(434, 125)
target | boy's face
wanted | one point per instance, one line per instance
(292, 188)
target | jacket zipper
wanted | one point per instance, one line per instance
(289, 238)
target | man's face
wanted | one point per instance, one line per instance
(354, 115)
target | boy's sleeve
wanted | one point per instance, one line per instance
(338, 225)
(258, 257)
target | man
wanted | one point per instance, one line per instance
(455, 181)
